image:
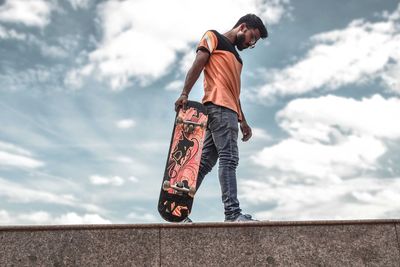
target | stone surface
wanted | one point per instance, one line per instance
(122, 247)
(311, 245)
(346, 243)
(397, 225)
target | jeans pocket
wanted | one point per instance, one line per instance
(214, 116)
(230, 119)
(212, 109)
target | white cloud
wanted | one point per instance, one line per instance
(11, 34)
(318, 172)
(361, 198)
(261, 134)
(141, 216)
(39, 77)
(140, 43)
(187, 60)
(319, 161)
(17, 193)
(274, 10)
(176, 85)
(124, 159)
(45, 218)
(101, 180)
(73, 218)
(39, 217)
(33, 13)
(8, 159)
(14, 156)
(5, 217)
(330, 116)
(358, 53)
(47, 50)
(392, 16)
(126, 124)
(73, 79)
(332, 137)
(133, 179)
(80, 4)
(391, 77)
(152, 146)
(11, 148)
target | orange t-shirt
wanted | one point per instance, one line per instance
(222, 71)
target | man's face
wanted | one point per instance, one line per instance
(247, 38)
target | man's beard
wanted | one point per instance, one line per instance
(240, 42)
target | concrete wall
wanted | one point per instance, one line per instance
(318, 243)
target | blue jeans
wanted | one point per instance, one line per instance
(221, 143)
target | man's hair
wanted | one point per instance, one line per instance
(253, 22)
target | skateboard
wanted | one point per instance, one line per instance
(180, 176)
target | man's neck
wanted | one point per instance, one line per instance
(231, 35)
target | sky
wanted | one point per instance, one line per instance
(87, 92)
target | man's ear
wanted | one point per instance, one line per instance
(242, 26)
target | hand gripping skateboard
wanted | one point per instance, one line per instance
(180, 176)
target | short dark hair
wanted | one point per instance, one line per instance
(253, 22)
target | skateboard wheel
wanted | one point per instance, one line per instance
(202, 125)
(179, 120)
(192, 191)
(166, 185)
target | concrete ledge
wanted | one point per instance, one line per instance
(273, 243)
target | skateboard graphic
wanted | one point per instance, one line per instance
(180, 176)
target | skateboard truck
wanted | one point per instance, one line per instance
(190, 124)
(179, 187)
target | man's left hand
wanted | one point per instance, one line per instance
(246, 131)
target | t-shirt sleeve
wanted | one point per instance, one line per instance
(208, 43)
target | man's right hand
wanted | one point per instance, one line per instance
(181, 102)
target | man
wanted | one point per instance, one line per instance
(217, 55)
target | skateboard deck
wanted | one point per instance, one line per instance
(184, 155)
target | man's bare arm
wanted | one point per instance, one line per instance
(192, 76)
(195, 71)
